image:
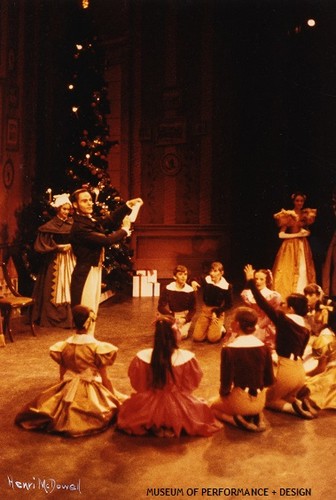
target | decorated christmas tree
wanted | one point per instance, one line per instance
(90, 142)
(89, 148)
(86, 157)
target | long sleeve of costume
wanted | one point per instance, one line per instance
(192, 307)
(45, 243)
(51, 234)
(163, 304)
(88, 237)
(92, 234)
(113, 221)
(226, 373)
(262, 302)
(291, 337)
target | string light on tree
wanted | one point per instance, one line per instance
(86, 151)
(90, 144)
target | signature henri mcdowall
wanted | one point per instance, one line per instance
(46, 484)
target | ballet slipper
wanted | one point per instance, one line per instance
(244, 424)
(299, 410)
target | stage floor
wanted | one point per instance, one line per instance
(294, 457)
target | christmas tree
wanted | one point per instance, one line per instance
(89, 149)
(90, 142)
(88, 145)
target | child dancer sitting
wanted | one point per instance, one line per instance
(321, 310)
(319, 391)
(291, 339)
(246, 370)
(264, 282)
(217, 298)
(178, 299)
(84, 401)
(164, 378)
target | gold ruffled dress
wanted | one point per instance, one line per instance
(293, 267)
(80, 404)
(323, 385)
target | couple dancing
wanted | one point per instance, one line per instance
(73, 252)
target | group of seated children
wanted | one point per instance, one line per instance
(165, 376)
(178, 300)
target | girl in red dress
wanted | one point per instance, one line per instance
(164, 378)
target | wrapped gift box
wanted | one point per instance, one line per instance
(145, 283)
(136, 286)
(156, 289)
(152, 276)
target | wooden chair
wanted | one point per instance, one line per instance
(14, 300)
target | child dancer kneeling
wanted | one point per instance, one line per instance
(292, 336)
(217, 298)
(246, 371)
(84, 402)
(164, 378)
(178, 299)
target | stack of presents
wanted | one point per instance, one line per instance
(145, 283)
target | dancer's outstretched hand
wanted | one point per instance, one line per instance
(249, 272)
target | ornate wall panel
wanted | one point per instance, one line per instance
(167, 115)
(161, 247)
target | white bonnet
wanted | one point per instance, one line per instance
(60, 199)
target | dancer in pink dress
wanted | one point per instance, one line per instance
(164, 378)
(265, 328)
